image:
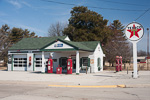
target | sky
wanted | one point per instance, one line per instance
(38, 15)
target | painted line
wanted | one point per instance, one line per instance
(79, 86)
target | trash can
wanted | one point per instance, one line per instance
(59, 70)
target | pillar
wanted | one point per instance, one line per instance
(77, 62)
(43, 61)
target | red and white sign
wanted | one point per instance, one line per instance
(134, 31)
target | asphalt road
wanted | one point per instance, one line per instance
(17, 91)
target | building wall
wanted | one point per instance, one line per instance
(98, 53)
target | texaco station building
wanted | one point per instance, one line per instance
(31, 54)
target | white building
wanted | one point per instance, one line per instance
(36, 51)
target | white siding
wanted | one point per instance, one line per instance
(65, 46)
(98, 53)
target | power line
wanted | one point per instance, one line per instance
(142, 14)
(124, 3)
(92, 6)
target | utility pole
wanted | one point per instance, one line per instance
(147, 48)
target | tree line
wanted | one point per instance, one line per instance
(9, 36)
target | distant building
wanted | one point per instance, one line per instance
(141, 59)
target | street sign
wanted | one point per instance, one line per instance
(134, 32)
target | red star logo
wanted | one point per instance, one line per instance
(134, 31)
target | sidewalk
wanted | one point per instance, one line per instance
(105, 78)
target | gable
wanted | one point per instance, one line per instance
(59, 45)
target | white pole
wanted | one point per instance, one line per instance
(135, 59)
(43, 61)
(77, 62)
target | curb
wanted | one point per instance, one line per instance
(78, 86)
(138, 86)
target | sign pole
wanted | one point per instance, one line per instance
(134, 33)
(135, 59)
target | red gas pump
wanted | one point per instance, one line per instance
(120, 63)
(117, 63)
(50, 65)
(30, 61)
(69, 66)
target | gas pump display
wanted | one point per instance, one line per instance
(50, 66)
(69, 66)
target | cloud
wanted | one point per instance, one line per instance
(15, 3)
(27, 4)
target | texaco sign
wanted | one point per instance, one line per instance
(134, 31)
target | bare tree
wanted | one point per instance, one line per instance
(117, 45)
(56, 29)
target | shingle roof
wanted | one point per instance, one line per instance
(40, 43)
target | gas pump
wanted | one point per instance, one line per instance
(50, 65)
(69, 66)
(120, 63)
(30, 61)
(117, 63)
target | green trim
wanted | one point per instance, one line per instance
(88, 62)
(86, 50)
(12, 62)
(58, 49)
(33, 61)
(20, 52)
(77, 73)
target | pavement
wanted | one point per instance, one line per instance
(105, 79)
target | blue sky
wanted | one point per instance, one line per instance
(38, 15)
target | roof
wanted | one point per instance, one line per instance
(41, 43)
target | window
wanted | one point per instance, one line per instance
(63, 62)
(85, 61)
(20, 62)
(98, 62)
(38, 62)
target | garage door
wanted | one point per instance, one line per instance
(20, 62)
